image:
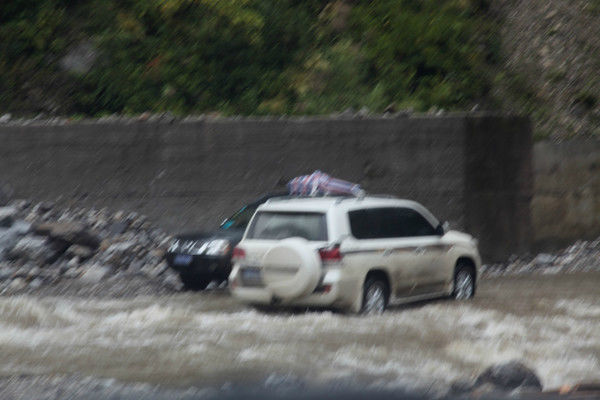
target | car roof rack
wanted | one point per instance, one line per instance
(316, 196)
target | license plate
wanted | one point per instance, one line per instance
(251, 274)
(182, 259)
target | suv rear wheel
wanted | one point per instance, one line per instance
(375, 296)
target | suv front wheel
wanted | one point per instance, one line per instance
(375, 296)
(464, 282)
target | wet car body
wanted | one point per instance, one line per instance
(202, 257)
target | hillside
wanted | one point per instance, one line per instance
(551, 64)
(98, 57)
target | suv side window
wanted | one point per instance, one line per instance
(414, 224)
(389, 222)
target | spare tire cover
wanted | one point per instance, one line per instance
(291, 268)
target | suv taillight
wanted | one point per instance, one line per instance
(330, 254)
(238, 254)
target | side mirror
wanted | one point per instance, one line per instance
(442, 228)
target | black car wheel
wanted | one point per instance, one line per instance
(375, 296)
(193, 282)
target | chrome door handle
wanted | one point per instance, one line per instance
(387, 252)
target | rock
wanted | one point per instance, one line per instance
(135, 266)
(117, 228)
(8, 239)
(121, 247)
(94, 274)
(73, 263)
(104, 245)
(82, 252)
(161, 268)
(5, 118)
(17, 284)
(7, 216)
(5, 272)
(33, 272)
(31, 248)
(544, 259)
(43, 207)
(69, 233)
(461, 386)
(156, 253)
(72, 273)
(509, 376)
(156, 271)
(21, 228)
(173, 281)
(80, 58)
(120, 254)
(20, 204)
(36, 283)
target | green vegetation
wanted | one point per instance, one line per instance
(246, 56)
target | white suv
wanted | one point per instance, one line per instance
(351, 253)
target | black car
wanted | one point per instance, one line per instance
(200, 258)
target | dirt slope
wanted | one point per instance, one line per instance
(552, 64)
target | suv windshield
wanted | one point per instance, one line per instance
(240, 219)
(281, 225)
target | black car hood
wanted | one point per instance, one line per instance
(233, 235)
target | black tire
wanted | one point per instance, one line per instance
(191, 282)
(464, 282)
(375, 296)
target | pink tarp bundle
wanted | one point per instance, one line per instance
(319, 183)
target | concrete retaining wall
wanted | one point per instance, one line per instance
(566, 204)
(472, 170)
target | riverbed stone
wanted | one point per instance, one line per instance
(36, 283)
(94, 274)
(31, 248)
(509, 376)
(76, 250)
(17, 284)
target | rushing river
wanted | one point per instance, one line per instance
(551, 322)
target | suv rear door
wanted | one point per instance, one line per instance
(380, 243)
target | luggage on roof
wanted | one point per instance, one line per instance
(319, 183)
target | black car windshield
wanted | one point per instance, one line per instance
(281, 225)
(240, 219)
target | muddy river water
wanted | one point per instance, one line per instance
(551, 322)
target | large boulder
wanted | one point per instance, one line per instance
(68, 233)
(509, 376)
